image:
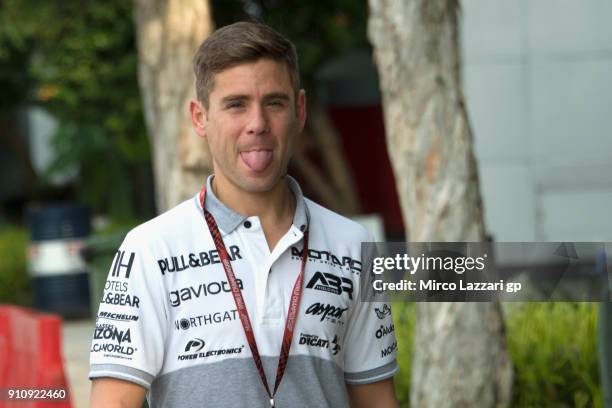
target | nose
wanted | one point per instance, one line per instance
(258, 121)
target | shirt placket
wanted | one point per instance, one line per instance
(279, 283)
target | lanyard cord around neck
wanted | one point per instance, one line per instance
(292, 313)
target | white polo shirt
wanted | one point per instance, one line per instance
(168, 322)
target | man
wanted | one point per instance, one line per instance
(247, 294)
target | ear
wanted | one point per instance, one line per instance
(198, 117)
(301, 108)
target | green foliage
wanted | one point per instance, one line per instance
(319, 29)
(104, 182)
(19, 27)
(80, 63)
(404, 318)
(553, 347)
(14, 278)
(88, 66)
(14, 81)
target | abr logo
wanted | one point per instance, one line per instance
(331, 283)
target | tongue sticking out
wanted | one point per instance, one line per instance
(257, 160)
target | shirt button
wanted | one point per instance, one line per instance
(247, 224)
(303, 228)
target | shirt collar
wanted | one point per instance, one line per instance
(228, 220)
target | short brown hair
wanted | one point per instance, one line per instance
(240, 43)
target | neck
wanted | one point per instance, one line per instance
(275, 208)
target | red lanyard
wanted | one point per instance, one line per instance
(296, 295)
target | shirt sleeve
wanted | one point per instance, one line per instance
(370, 343)
(128, 340)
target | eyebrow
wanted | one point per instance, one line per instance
(240, 97)
(233, 98)
(277, 95)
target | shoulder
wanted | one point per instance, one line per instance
(166, 227)
(331, 223)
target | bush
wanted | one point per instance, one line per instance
(553, 347)
(404, 319)
(554, 350)
(14, 279)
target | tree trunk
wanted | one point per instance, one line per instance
(168, 34)
(460, 357)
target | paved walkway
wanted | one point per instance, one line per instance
(76, 338)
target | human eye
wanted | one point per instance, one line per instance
(277, 103)
(234, 105)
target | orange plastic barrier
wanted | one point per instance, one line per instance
(31, 363)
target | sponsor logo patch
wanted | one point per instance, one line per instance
(187, 323)
(327, 312)
(120, 299)
(122, 264)
(176, 297)
(328, 282)
(195, 345)
(113, 350)
(113, 342)
(110, 332)
(117, 286)
(385, 330)
(195, 349)
(312, 340)
(117, 316)
(192, 260)
(383, 312)
(326, 257)
(388, 350)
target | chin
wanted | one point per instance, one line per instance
(259, 184)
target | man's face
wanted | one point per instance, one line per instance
(251, 123)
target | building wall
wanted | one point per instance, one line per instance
(538, 83)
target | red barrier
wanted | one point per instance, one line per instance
(31, 359)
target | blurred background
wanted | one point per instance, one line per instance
(76, 169)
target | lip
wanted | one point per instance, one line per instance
(255, 149)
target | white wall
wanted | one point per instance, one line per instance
(538, 83)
